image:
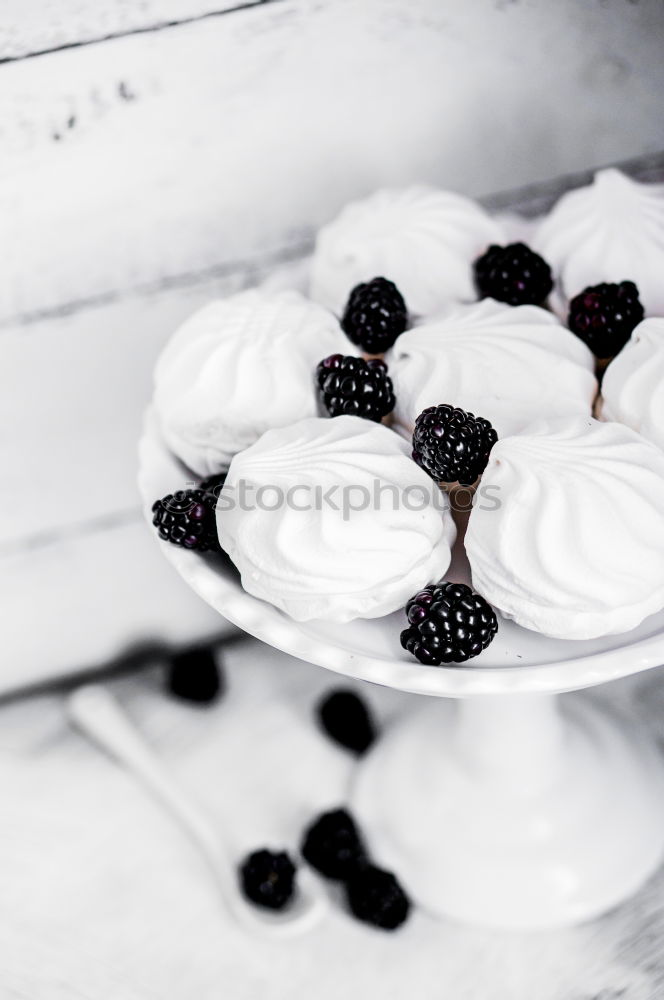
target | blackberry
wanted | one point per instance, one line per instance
(355, 386)
(187, 518)
(604, 315)
(514, 274)
(333, 846)
(376, 897)
(268, 878)
(452, 445)
(375, 315)
(448, 624)
(345, 718)
(214, 484)
(193, 676)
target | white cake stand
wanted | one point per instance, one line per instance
(496, 802)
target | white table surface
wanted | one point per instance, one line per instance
(102, 897)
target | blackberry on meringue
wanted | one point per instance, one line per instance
(514, 274)
(187, 518)
(452, 445)
(375, 315)
(356, 387)
(604, 315)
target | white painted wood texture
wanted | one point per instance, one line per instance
(73, 391)
(81, 580)
(38, 26)
(157, 155)
(90, 597)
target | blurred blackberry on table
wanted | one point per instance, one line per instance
(376, 897)
(333, 846)
(193, 675)
(346, 719)
(267, 878)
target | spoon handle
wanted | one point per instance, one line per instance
(100, 716)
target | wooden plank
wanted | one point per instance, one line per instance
(34, 27)
(72, 395)
(81, 579)
(156, 156)
(86, 599)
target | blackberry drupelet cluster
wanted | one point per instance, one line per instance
(187, 518)
(514, 274)
(452, 445)
(376, 897)
(354, 386)
(333, 846)
(193, 676)
(375, 315)
(604, 315)
(268, 878)
(214, 484)
(448, 624)
(346, 719)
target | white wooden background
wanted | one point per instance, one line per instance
(154, 154)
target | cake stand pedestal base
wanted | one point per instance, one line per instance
(514, 811)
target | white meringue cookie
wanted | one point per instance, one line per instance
(306, 557)
(508, 364)
(633, 385)
(238, 367)
(612, 230)
(422, 239)
(568, 538)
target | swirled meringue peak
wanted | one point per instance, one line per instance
(568, 536)
(633, 385)
(509, 364)
(238, 367)
(611, 230)
(422, 239)
(337, 521)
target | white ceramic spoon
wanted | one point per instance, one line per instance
(99, 715)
